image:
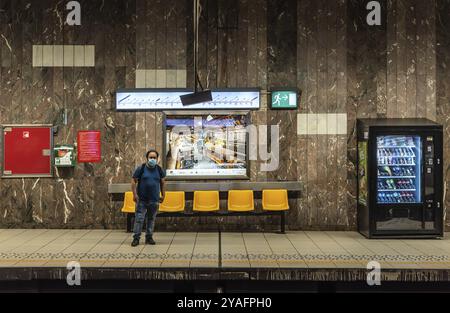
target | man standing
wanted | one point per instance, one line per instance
(147, 183)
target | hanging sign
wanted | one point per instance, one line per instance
(169, 99)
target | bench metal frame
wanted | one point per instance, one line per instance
(282, 214)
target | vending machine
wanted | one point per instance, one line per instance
(400, 178)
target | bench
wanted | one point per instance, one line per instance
(293, 188)
(207, 203)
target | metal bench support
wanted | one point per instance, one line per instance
(282, 214)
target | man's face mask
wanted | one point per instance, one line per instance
(152, 162)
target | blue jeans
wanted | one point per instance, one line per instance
(142, 209)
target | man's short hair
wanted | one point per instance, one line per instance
(150, 151)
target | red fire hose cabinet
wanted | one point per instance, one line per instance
(27, 151)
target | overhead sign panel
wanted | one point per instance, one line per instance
(169, 99)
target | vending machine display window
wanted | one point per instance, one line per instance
(399, 160)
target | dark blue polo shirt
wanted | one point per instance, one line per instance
(149, 185)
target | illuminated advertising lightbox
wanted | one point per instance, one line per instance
(169, 99)
(206, 146)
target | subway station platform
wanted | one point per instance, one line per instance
(106, 255)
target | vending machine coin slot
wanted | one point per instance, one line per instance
(429, 181)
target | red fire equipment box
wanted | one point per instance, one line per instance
(27, 150)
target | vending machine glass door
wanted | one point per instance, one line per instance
(399, 169)
(399, 182)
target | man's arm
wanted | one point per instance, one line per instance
(163, 188)
(133, 189)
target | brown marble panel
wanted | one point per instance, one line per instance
(181, 19)
(282, 59)
(150, 37)
(401, 58)
(411, 58)
(221, 51)
(322, 107)
(443, 90)
(159, 131)
(171, 34)
(302, 141)
(5, 46)
(353, 94)
(126, 121)
(242, 43)
(15, 41)
(75, 203)
(431, 61)
(391, 77)
(141, 33)
(50, 204)
(311, 100)
(341, 98)
(150, 53)
(421, 48)
(202, 57)
(135, 44)
(345, 212)
(331, 150)
(190, 43)
(261, 9)
(99, 199)
(161, 43)
(380, 39)
(252, 46)
(229, 14)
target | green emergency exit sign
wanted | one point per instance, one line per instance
(284, 99)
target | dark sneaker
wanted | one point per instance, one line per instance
(135, 242)
(149, 241)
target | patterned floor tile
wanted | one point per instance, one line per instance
(94, 248)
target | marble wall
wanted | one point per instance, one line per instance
(324, 48)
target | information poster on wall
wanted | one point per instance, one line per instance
(89, 146)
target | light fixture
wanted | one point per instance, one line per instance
(202, 95)
(196, 97)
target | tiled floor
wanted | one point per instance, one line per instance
(106, 248)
